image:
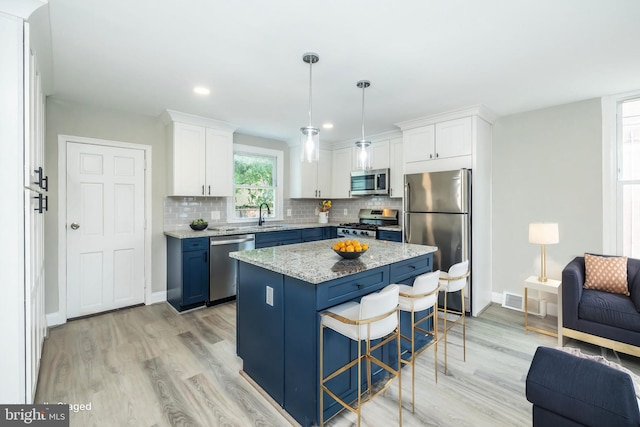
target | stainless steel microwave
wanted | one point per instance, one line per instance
(370, 182)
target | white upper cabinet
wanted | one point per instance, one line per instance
(453, 138)
(419, 144)
(396, 165)
(380, 155)
(342, 162)
(199, 156)
(310, 180)
(219, 165)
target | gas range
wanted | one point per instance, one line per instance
(370, 220)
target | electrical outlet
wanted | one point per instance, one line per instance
(288, 212)
(215, 215)
(270, 296)
(346, 212)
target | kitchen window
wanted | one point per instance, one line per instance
(257, 176)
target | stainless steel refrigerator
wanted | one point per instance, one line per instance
(437, 212)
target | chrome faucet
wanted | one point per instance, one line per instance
(260, 217)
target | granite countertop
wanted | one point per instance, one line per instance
(316, 262)
(231, 229)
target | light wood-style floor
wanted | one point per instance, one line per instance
(150, 366)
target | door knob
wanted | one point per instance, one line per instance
(75, 225)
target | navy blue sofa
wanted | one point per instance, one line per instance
(601, 318)
(570, 391)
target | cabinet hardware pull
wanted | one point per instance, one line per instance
(209, 190)
(360, 286)
(436, 155)
(431, 156)
(203, 190)
(319, 193)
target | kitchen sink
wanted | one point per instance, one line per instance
(247, 227)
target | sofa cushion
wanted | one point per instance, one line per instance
(609, 309)
(608, 274)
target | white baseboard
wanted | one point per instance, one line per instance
(157, 297)
(55, 319)
(496, 297)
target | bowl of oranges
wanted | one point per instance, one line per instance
(350, 249)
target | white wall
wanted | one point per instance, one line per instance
(69, 118)
(547, 167)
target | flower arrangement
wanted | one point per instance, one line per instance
(325, 205)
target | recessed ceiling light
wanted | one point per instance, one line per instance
(328, 126)
(201, 90)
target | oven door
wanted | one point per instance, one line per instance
(370, 182)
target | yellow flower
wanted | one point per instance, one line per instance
(325, 205)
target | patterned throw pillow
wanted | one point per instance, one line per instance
(608, 274)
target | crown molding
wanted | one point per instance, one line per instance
(169, 116)
(476, 110)
(21, 8)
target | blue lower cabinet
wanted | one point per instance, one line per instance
(187, 272)
(312, 234)
(277, 238)
(260, 318)
(391, 236)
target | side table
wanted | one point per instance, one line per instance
(552, 287)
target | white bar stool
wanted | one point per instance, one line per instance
(375, 317)
(423, 295)
(452, 281)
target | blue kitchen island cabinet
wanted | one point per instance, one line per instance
(282, 291)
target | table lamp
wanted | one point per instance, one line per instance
(543, 234)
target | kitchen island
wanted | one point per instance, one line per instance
(280, 293)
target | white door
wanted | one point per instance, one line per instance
(105, 228)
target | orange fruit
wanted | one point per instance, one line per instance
(365, 246)
(350, 249)
(336, 246)
(357, 248)
(347, 242)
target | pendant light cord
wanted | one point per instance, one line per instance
(310, 86)
(363, 88)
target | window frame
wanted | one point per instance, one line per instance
(612, 242)
(278, 180)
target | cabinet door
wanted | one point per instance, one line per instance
(380, 155)
(396, 168)
(219, 164)
(453, 138)
(308, 180)
(324, 175)
(342, 164)
(195, 280)
(188, 151)
(419, 144)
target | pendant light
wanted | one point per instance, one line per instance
(363, 152)
(310, 138)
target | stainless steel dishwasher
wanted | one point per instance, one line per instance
(223, 270)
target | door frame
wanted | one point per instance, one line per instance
(62, 214)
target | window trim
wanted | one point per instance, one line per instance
(279, 178)
(611, 238)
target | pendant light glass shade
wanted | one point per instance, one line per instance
(363, 150)
(310, 138)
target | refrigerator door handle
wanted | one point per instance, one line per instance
(407, 228)
(407, 191)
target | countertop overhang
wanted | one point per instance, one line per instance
(316, 262)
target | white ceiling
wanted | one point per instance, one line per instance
(421, 56)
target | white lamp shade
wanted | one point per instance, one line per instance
(543, 233)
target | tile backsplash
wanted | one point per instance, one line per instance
(180, 211)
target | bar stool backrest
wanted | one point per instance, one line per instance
(377, 304)
(458, 270)
(425, 283)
